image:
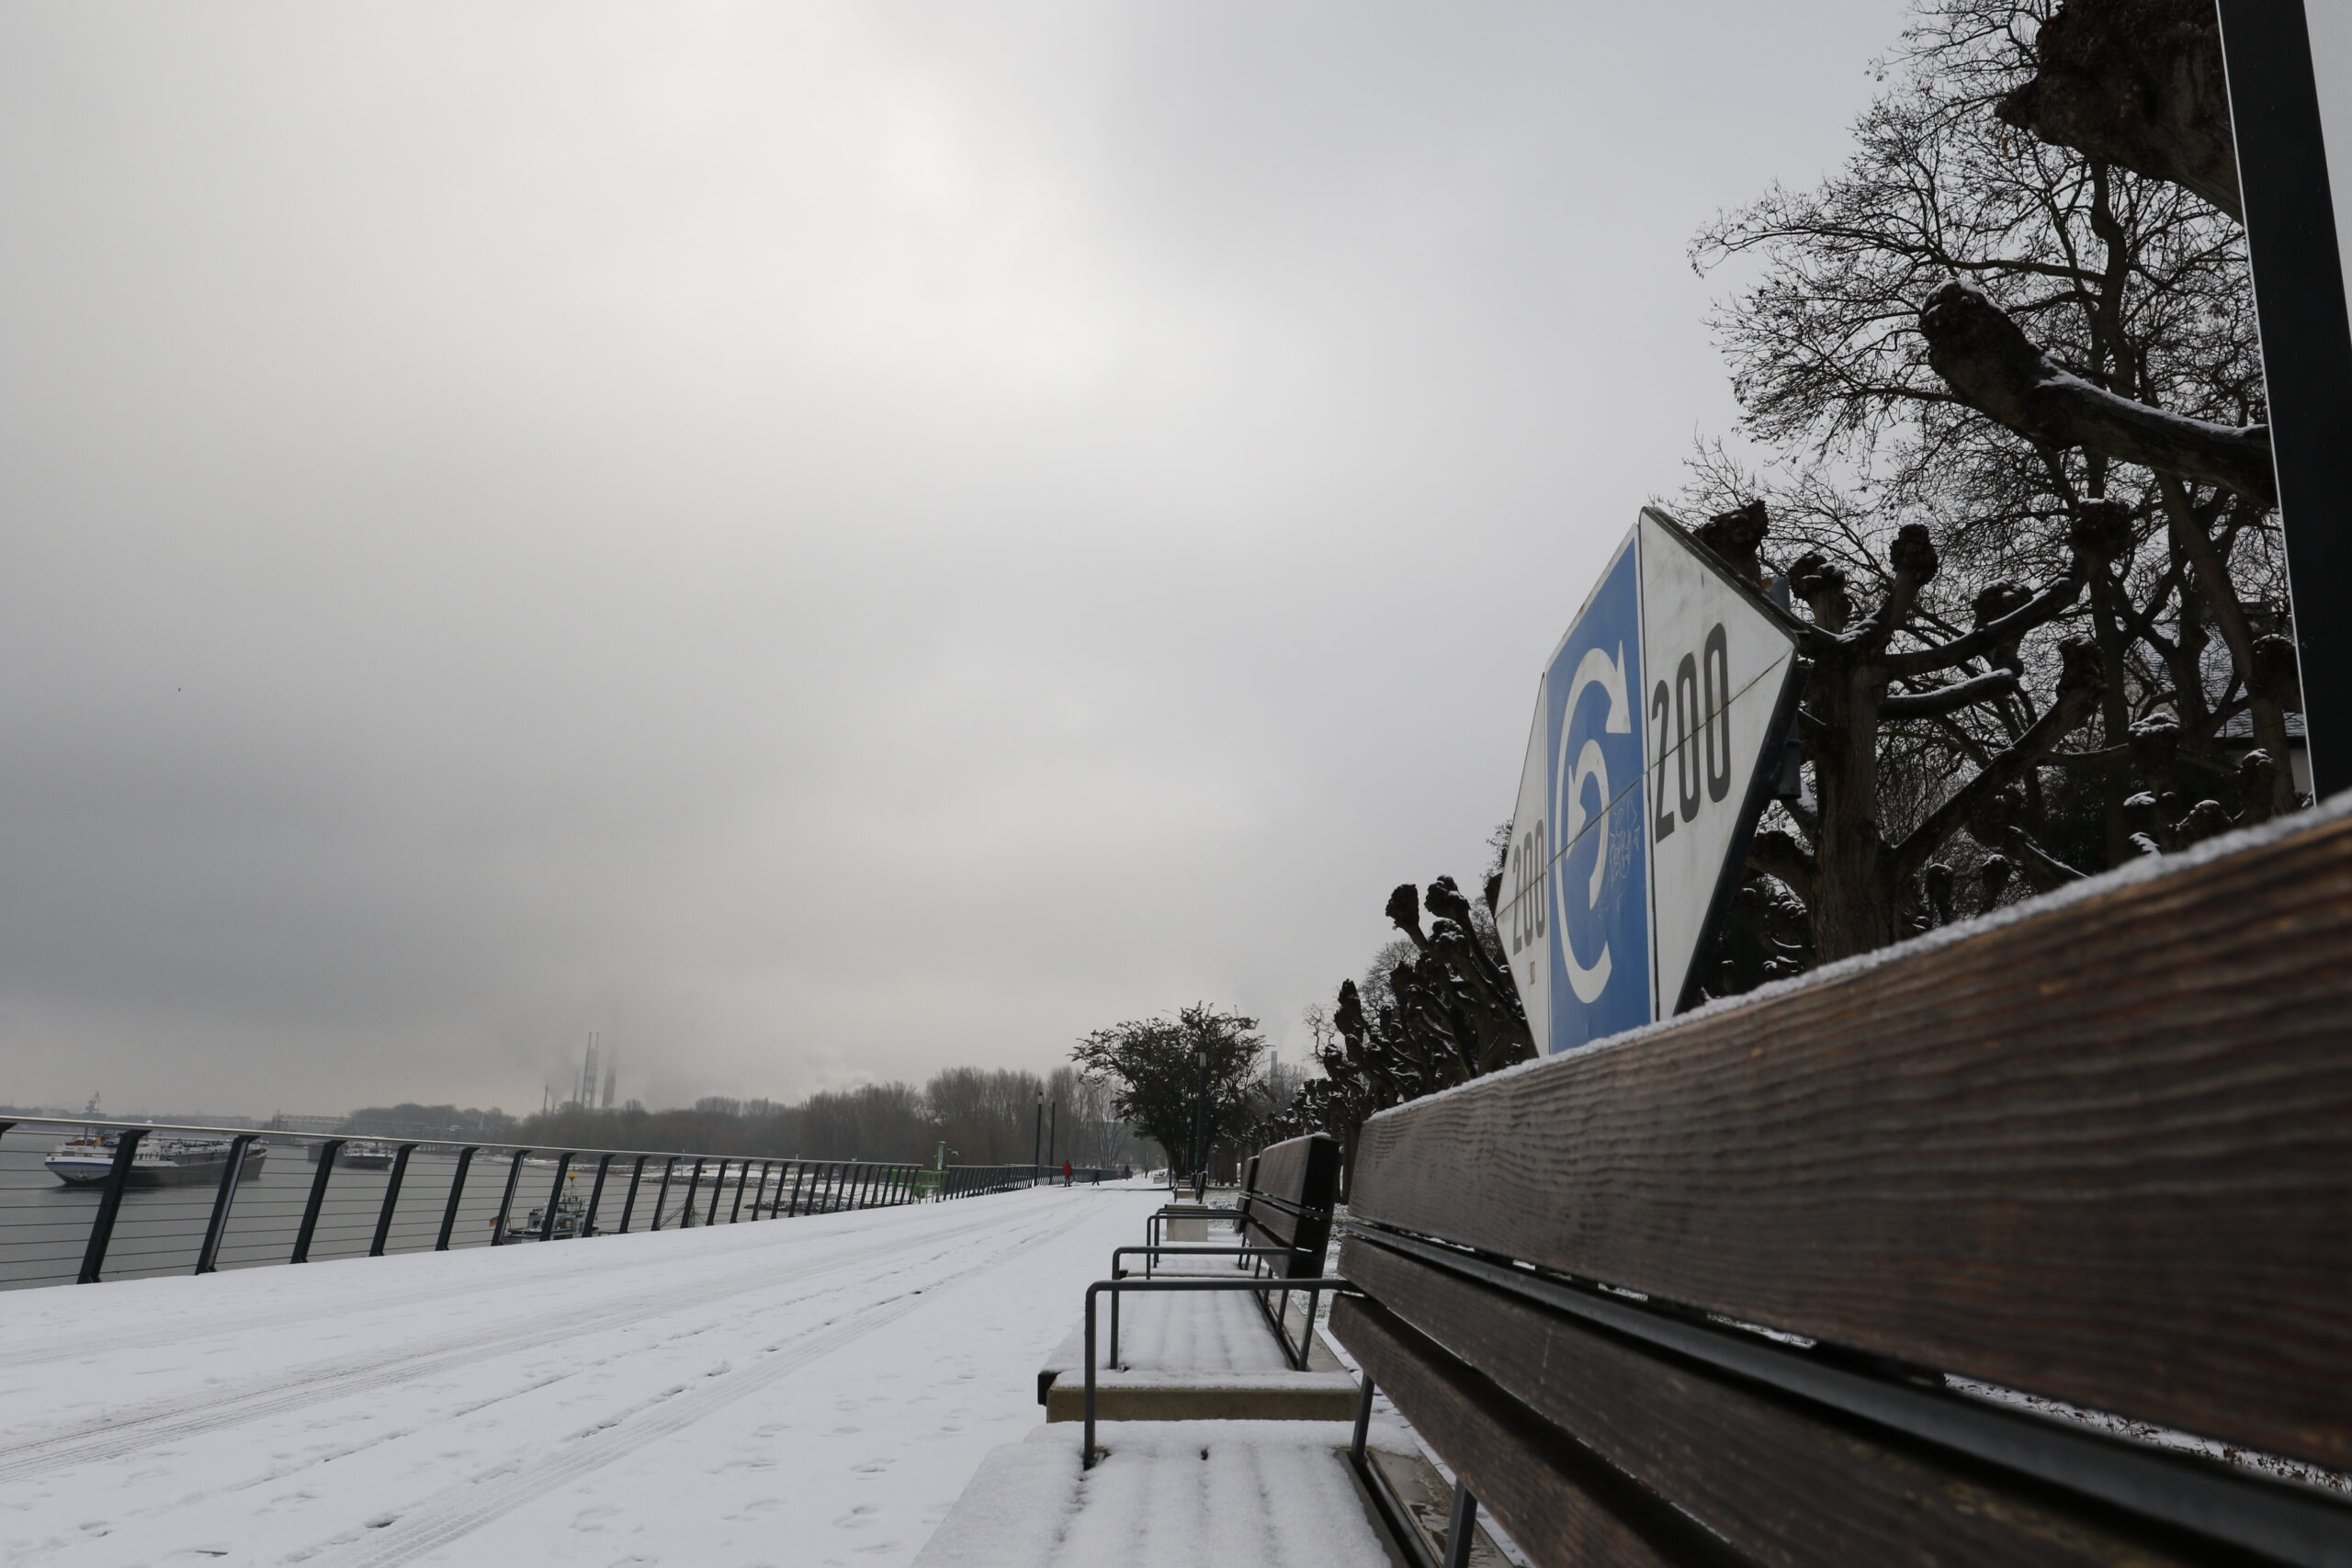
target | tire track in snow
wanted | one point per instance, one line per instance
(111, 1435)
(460, 1510)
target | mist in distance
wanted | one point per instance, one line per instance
(821, 543)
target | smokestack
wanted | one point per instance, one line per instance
(612, 1067)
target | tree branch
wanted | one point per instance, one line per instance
(1986, 359)
(1778, 855)
(2080, 682)
(1949, 699)
(2042, 608)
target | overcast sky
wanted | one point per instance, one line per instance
(821, 541)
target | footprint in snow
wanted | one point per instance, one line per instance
(860, 1517)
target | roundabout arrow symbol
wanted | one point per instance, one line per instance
(1595, 669)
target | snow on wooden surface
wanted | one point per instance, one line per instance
(1168, 1495)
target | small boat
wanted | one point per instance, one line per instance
(365, 1155)
(88, 1160)
(571, 1217)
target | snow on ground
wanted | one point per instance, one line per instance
(807, 1392)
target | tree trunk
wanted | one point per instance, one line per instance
(1854, 903)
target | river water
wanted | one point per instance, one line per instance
(45, 1224)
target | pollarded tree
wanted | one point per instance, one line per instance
(1898, 661)
(2015, 351)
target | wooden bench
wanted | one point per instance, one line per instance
(2028, 1243)
(1241, 1351)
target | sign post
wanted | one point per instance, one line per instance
(1658, 727)
(2290, 67)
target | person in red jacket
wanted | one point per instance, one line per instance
(1066, 1173)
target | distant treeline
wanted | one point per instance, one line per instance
(984, 1118)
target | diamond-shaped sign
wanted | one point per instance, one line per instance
(1659, 726)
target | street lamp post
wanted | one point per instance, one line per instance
(1200, 1131)
(1038, 1138)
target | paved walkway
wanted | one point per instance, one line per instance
(807, 1392)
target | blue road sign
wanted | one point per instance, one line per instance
(1599, 884)
(1657, 738)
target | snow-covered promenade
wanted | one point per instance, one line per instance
(807, 1392)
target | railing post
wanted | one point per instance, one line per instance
(506, 1199)
(735, 1209)
(457, 1193)
(686, 1210)
(767, 1168)
(555, 1192)
(595, 1197)
(391, 1196)
(636, 1175)
(800, 1179)
(717, 1190)
(327, 1153)
(669, 1168)
(207, 1255)
(93, 1256)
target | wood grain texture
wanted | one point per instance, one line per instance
(1800, 1490)
(2103, 1153)
(1520, 1471)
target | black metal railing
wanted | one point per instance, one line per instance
(90, 1198)
(971, 1180)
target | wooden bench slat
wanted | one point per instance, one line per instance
(1518, 1469)
(2103, 1153)
(1780, 1483)
(1303, 1172)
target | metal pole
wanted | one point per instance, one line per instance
(596, 1196)
(1201, 1133)
(391, 1197)
(327, 1153)
(686, 1208)
(1036, 1143)
(2296, 259)
(456, 1192)
(629, 1206)
(506, 1200)
(93, 1256)
(207, 1256)
(1462, 1526)
(669, 1168)
(717, 1189)
(1053, 1138)
(555, 1193)
(799, 1175)
(735, 1209)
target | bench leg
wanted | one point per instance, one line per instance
(1462, 1527)
(1363, 1420)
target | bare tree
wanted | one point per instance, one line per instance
(2034, 366)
